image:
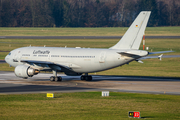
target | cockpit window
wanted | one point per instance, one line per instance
(9, 54)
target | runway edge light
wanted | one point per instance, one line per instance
(50, 95)
(134, 114)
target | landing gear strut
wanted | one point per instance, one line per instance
(55, 77)
(86, 77)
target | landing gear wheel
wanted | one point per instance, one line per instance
(52, 78)
(82, 77)
(87, 78)
(58, 79)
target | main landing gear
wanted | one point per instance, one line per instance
(55, 77)
(86, 77)
(52, 78)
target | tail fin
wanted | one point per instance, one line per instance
(133, 36)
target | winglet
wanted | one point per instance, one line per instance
(133, 36)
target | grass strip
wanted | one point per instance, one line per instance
(88, 105)
(100, 31)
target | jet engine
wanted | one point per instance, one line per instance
(24, 71)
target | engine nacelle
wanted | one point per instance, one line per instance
(25, 71)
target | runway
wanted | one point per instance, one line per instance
(82, 37)
(10, 84)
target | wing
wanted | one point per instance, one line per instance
(48, 66)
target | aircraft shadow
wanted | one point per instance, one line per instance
(132, 78)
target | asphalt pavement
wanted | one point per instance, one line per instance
(10, 84)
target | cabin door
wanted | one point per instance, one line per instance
(102, 57)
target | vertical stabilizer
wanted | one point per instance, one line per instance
(133, 36)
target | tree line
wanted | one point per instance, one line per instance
(86, 13)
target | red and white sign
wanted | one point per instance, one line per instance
(137, 114)
(134, 114)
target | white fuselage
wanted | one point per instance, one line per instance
(80, 60)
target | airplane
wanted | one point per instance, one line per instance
(29, 61)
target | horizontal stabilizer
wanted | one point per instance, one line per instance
(139, 61)
(160, 52)
(160, 57)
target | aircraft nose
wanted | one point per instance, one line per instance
(7, 59)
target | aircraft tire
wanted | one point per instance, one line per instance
(52, 78)
(59, 78)
(56, 79)
(82, 77)
(88, 78)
